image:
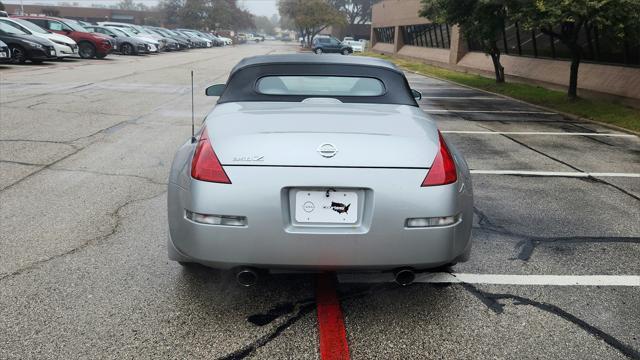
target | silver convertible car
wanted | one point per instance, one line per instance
(313, 163)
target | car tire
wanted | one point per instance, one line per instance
(345, 52)
(86, 50)
(318, 51)
(126, 49)
(18, 54)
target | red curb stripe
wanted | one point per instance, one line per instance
(333, 336)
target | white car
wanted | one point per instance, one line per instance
(357, 46)
(226, 40)
(63, 45)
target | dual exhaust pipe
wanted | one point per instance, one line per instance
(404, 276)
(248, 277)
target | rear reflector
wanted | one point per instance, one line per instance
(443, 170)
(225, 220)
(432, 222)
(205, 165)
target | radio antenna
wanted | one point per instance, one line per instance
(193, 126)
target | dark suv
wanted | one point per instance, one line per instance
(91, 45)
(326, 44)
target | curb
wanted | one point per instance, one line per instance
(568, 115)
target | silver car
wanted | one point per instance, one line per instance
(318, 163)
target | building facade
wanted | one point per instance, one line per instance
(89, 14)
(531, 56)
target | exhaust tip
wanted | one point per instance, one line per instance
(247, 277)
(404, 277)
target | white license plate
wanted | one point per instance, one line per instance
(340, 207)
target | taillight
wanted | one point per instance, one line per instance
(443, 169)
(205, 165)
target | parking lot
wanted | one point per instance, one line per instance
(85, 149)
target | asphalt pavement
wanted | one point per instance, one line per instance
(85, 149)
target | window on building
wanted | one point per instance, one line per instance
(427, 35)
(385, 34)
(599, 45)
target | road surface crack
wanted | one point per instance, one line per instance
(114, 229)
(148, 179)
(493, 302)
(303, 307)
(528, 243)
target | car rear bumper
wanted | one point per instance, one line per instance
(270, 240)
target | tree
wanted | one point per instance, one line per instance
(205, 14)
(356, 11)
(193, 14)
(131, 5)
(479, 20)
(264, 25)
(171, 11)
(565, 20)
(310, 16)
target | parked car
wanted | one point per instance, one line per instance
(25, 47)
(226, 40)
(139, 32)
(205, 43)
(216, 41)
(325, 44)
(208, 38)
(348, 38)
(196, 40)
(125, 44)
(152, 44)
(346, 198)
(241, 38)
(357, 46)
(183, 42)
(64, 45)
(90, 45)
(5, 53)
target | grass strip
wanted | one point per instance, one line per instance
(604, 111)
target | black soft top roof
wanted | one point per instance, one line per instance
(242, 82)
(312, 59)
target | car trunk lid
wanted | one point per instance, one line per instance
(322, 133)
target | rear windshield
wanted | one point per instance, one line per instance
(320, 86)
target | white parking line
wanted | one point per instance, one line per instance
(555, 173)
(534, 133)
(489, 111)
(499, 279)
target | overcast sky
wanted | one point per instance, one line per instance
(258, 7)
